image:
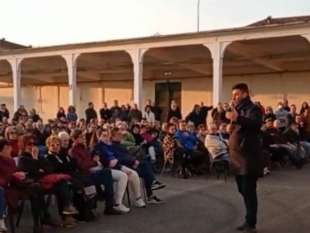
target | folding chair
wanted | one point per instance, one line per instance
(220, 167)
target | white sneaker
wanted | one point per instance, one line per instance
(122, 208)
(140, 203)
(3, 228)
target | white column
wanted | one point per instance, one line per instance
(16, 73)
(72, 72)
(137, 60)
(217, 50)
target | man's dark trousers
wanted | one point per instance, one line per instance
(247, 188)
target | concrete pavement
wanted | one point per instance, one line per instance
(208, 205)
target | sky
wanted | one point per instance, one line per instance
(52, 22)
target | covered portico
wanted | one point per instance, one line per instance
(271, 56)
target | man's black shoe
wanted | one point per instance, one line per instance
(112, 211)
(242, 227)
(246, 228)
(250, 230)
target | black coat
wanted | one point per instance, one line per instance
(174, 113)
(105, 114)
(196, 118)
(248, 126)
(90, 113)
(35, 168)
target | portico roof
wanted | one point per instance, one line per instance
(260, 26)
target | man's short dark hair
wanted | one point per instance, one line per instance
(242, 87)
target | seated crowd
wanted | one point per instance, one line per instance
(81, 161)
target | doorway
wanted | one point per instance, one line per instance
(164, 94)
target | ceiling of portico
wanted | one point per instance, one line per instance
(177, 62)
(105, 66)
(5, 73)
(273, 55)
(43, 71)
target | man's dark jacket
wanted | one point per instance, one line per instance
(90, 114)
(249, 124)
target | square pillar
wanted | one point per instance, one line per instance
(137, 60)
(217, 50)
(16, 73)
(72, 79)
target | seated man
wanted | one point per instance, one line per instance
(283, 143)
(114, 151)
(195, 155)
(216, 145)
(104, 150)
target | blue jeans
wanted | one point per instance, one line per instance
(2, 202)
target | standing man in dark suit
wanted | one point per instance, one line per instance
(246, 151)
(90, 112)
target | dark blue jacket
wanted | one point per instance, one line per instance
(188, 140)
(114, 151)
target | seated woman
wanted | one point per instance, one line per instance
(13, 187)
(12, 137)
(92, 167)
(40, 171)
(173, 151)
(117, 156)
(84, 197)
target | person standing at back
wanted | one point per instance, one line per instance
(90, 112)
(245, 149)
(4, 112)
(174, 111)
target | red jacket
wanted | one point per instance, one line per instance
(83, 158)
(7, 169)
